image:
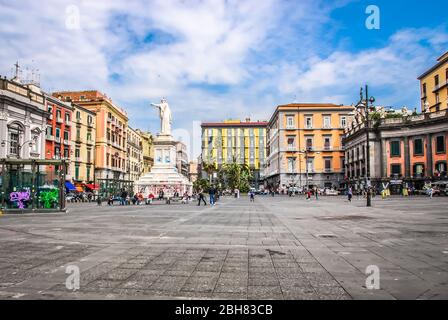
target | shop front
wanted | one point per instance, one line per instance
(32, 185)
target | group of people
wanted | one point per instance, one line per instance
(213, 196)
(126, 199)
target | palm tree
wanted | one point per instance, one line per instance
(210, 168)
(238, 175)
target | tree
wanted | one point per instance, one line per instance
(201, 184)
(238, 175)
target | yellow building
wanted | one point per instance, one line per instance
(82, 164)
(134, 166)
(304, 145)
(147, 150)
(434, 86)
(242, 141)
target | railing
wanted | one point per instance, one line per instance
(440, 85)
(49, 137)
(57, 139)
(59, 120)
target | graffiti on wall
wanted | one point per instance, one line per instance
(49, 197)
(19, 197)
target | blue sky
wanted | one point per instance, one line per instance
(224, 59)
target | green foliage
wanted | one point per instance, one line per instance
(237, 175)
(201, 184)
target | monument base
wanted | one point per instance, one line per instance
(164, 175)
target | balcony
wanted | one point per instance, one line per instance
(49, 137)
(109, 120)
(78, 159)
(78, 120)
(68, 123)
(78, 140)
(90, 142)
(67, 142)
(440, 85)
(290, 127)
(90, 124)
(59, 120)
(328, 170)
(50, 116)
(328, 148)
(57, 139)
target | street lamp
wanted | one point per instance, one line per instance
(363, 104)
(30, 142)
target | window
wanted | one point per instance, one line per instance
(309, 143)
(418, 146)
(66, 135)
(88, 173)
(290, 122)
(88, 155)
(327, 122)
(395, 148)
(327, 143)
(67, 116)
(78, 133)
(66, 153)
(77, 153)
(49, 131)
(441, 168)
(424, 90)
(57, 152)
(291, 143)
(310, 165)
(395, 169)
(58, 133)
(89, 119)
(309, 122)
(78, 115)
(327, 164)
(58, 114)
(291, 165)
(89, 136)
(76, 172)
(437, 98)
(107, 159)
(419, 169)
(14, 132)
(440, 144)
(50, 109)
(436, 80)
(343, 121)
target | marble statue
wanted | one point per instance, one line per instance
(165, 116)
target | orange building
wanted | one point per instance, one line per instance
(434, 86)
(304, 143)
(110, 142)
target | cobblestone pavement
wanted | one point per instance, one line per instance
(275, 248)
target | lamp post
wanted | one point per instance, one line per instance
(364, 104)
(30, 142)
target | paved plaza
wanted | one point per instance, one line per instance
(275, 248)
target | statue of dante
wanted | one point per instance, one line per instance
(165, 116)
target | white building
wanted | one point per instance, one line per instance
(23, 120)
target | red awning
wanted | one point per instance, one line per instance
(93, 186)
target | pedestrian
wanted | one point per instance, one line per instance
(308, 194)
(212, 193)
(252, 196)
(201, 197)
(110, 201)
(431, 192)
(235, 191)
(316, 193)
(123, 197)
(350, 194)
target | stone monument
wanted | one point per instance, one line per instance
(164, 175)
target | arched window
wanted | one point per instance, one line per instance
(15, 133)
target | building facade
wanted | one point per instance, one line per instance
(235, 140)
(147, 150)
(23, 120)
(134, 166)
(59, 129)
(305, 145)
(193, 171)
(82, 164)
(182, 158)
(404, 151)
(434, 86)
(111, 130)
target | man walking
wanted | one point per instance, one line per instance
(201, 197)
(350, 194)
(212, 194)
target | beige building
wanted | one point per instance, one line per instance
(193, 172)
(147, 150)
(182, 158)
(434, 86)
(82, 164)
(134, 166)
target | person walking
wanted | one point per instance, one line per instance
(252, 196)
(201, 197)
(316, 191)
(212, 194)
(350, 194)
(123, 197)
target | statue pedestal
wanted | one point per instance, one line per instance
(164, 175)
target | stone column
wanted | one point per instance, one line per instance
(407, 158)
(429, 161)
(383, 158)
(3, 131)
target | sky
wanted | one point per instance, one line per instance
(217, 59)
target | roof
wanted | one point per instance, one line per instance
(441, 61)
(235, 124)
(310, 107)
